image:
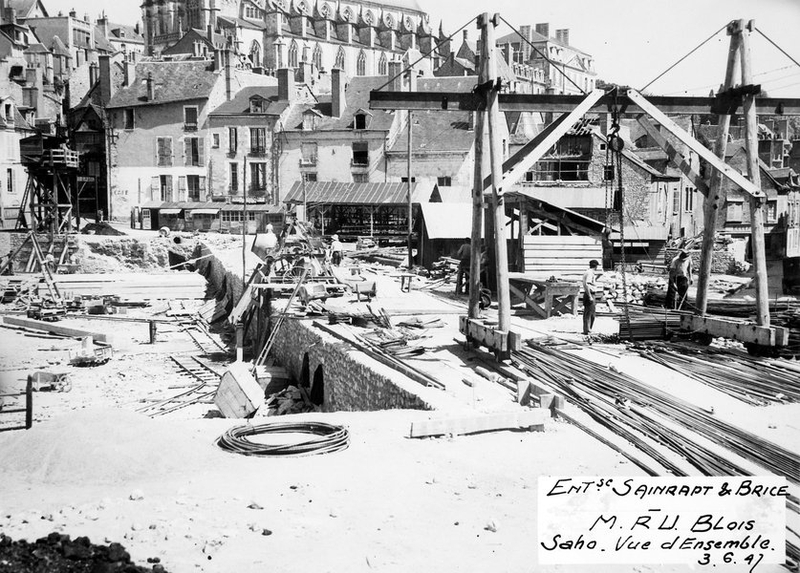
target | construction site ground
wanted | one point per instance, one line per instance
(92, 465)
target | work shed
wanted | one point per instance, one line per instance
(207, 216)
(378, 210)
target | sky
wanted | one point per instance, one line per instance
(632, 41)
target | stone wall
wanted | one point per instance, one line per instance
(351, 380)
(723, 261)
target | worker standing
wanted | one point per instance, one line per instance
(680, 277)
(463, 255)
(336, 250)
(589, 291)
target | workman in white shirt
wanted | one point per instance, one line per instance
(589, 292)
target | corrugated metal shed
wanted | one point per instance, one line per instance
(337, 193)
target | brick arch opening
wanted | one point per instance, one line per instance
(317, 395)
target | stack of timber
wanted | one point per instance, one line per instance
(391, 256)
(174, 285)
(548, 255)
(756, 381)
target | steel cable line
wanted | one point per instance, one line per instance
(665, 72)
(551, 62)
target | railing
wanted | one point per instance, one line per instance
(359, 162)
(258, 151)
(189, 127)
(308, 161)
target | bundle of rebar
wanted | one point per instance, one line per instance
(756, 381)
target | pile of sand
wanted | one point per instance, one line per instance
(101, 446)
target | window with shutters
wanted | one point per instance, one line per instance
(310, 177)
(444, 181)
(10, 180)
(676, 201)
(258, 177)
(360, 177)
(734, 211)
(233, 139)
(194, 185)
(165, 187)
(190, 118)
(688, 200)
(234, 188)
(360, 153)
(164, 151)
(193, 151)
(309, 153)
(772, 211)
(215, 140)
(258, 140)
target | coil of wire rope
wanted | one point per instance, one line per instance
(326, 439)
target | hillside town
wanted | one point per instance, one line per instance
(456, 261)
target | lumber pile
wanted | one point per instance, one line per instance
(174, 285)
(648, 325)
(391, 256)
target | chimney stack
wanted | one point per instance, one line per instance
(151, 88)
(226, 55)
(305, 74)
(73, 13)
(92, 74)
(563, 36)
(395, 77)
(466, 35)
(128, 72)
(525, 32)
(543, 29)
(286, 88)
(338, 102)
(106, 81)
(102, 23)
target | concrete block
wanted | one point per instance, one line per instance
(239, 394)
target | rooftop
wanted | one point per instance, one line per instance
(173, 81)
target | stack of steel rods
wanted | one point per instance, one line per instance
(575, 377)
(643, 415)
(754, 381)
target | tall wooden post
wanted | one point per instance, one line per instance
(244, 223)
(496, 150)
(715, 199)
(756, 203)
(408, 166)
(477, 204)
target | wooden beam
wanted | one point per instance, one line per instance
(675, 156)
(536, 152)
(521, 153)
(55, 328)
(715, 200)
(496, 170)
(470, 101)
(757, 242)
(695, 145)
(534, 418)
(742, 331)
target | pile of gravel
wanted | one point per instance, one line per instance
(57, 553)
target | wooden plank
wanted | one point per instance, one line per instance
(742, 331)
(565, 240)
(557, 103)
(531, 419)
(56, 328)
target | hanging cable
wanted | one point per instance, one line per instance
(665, 72)
(426, 54)
(535, 49)
(781, 50)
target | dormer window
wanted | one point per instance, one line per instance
(361, 119)
(256, 105)
(309, 120)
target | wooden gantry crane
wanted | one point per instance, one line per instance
(494, 175)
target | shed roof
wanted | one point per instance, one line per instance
(448, 220)
(331, 192)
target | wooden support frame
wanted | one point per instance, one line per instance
(701, 150)
(743, 331)
(500, 342)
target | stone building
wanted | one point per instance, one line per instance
(360, 38)
(562, 58)
(159, 132)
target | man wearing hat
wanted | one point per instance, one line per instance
(336, 250)
(680, 277)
